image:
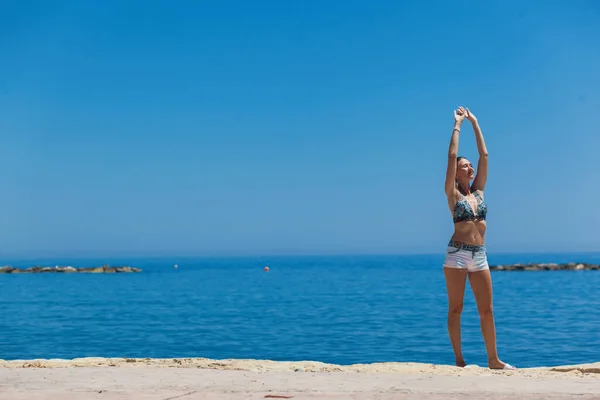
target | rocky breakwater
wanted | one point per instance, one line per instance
(104, 269)
(572, 266)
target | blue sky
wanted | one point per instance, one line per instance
(270, 127)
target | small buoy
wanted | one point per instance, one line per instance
(266, 269)
(175, 266)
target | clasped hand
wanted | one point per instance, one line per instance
(461, 113)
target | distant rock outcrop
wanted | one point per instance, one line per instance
(104, 269)
(546, 267)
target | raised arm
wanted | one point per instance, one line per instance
(450, 185)
(482, 164)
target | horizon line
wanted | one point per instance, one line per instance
(282, 255)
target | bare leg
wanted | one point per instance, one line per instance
(481, 284)
(456, 280)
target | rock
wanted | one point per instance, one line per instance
(547, 267)
(105, 269)
(127, 269)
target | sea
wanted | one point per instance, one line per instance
(332, 309)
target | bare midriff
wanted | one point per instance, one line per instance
(470, 232)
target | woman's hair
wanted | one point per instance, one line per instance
(456, 180)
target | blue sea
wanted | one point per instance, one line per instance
(336, 309)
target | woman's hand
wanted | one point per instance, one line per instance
(459, 115)
(471, 117)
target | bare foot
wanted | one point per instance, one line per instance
(461, 363)
(497, 364)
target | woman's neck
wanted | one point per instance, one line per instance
(465, 189)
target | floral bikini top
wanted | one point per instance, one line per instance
(464, 212)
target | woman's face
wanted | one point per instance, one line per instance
(464, 171)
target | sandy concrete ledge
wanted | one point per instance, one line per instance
(292, 366)
(193, 379)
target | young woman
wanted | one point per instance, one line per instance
(466, 252)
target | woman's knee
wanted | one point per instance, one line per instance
(486, 312)
(455, 309)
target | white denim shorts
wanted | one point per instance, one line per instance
(466, 256)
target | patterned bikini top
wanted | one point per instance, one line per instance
(464, 212)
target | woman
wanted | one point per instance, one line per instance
(466, 253)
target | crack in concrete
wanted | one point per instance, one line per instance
(181, 395)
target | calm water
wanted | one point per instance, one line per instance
(332, 309)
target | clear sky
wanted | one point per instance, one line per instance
(150, 128)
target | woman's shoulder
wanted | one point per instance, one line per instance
(477, 192)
